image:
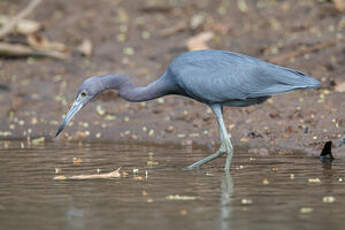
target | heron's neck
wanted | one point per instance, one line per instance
(129, 92)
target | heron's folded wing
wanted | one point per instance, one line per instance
(220, 77)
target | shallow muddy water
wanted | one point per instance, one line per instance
(261, 193)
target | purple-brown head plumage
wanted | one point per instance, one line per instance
(88, 90)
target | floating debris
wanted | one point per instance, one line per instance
(38, 141)
(246, 201)
(113, 174)
(77, 160)
(328, 199)
(183, 212)
(152, 163)
(151, 132)
(81, 134)
(306, 210)
(265, 181)
(240, 167)
(314, 180)
(58, 170)
(179, 197)
(140, 178)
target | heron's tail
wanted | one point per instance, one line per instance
(300, 80)
(313, 83)
(286, 80)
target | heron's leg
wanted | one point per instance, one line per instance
(225, 147)
(205, 160)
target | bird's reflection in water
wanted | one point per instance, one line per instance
(75, 218)
(226, 188)
(327, 164)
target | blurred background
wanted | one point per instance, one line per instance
(49, 47)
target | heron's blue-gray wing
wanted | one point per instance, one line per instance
(219, 76)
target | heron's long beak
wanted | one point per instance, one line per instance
(77, 105)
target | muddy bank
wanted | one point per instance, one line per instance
(134, 39)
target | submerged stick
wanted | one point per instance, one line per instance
(25, 12)
(113, 174)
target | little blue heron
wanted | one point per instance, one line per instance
(216, 78)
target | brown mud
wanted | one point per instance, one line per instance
(140, 38)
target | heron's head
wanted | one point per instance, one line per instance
(86, 93)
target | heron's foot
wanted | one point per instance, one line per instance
(226, 147)
(206, 159)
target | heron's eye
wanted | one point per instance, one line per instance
(83, 94)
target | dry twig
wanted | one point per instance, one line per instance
(113, 174)
(199, 41)
(23, 26)
(8, 28)
(17, 50)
